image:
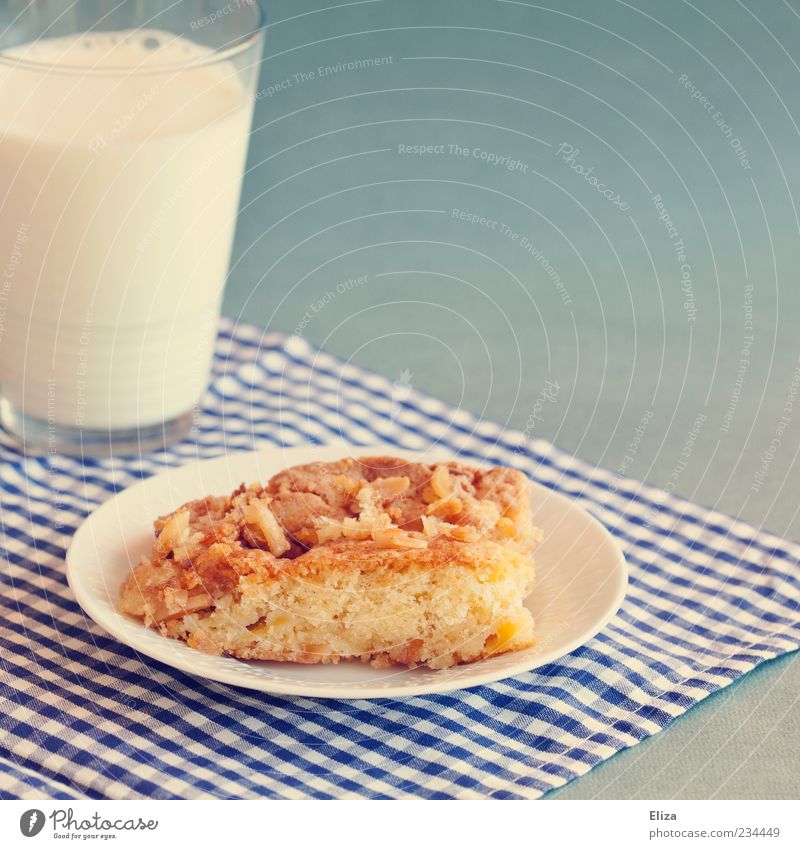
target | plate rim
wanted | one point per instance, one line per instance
(326, 690)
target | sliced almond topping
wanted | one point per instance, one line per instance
(369, 508)
(175, 599)
(351, 528)
(382, 523)
(433, 527)
(355, 528)
(428, 495)
(441, 483)
(449, 506)
(464, 533)
(327, 529)
(391, 487)
(175, 537)
(397, 538)
(347, 484)
(174, 530)
(187, 551)
(258, 514)
(381, 527)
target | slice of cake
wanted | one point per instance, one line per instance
(377, 559)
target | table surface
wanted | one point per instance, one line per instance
(579, 219)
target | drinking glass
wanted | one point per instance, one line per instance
(123, 136)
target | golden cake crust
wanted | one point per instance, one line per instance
(437, 558)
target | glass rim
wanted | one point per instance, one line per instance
(234, 47)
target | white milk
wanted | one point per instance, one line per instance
(118, 199)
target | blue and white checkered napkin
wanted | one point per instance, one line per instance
(83, 716)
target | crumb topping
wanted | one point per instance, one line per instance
(381, 503)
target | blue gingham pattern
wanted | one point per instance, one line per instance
(84, 716)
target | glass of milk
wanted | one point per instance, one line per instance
(123, 137)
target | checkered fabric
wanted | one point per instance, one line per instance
(85, 717)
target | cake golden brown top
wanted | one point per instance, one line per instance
(319, 501)
(379, 498)
(363, 512)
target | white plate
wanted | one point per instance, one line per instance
(580, 584)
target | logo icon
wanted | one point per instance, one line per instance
(401, 389)
(31, 822)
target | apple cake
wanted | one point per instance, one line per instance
(378, 559)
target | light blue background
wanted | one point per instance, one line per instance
(479, 321)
